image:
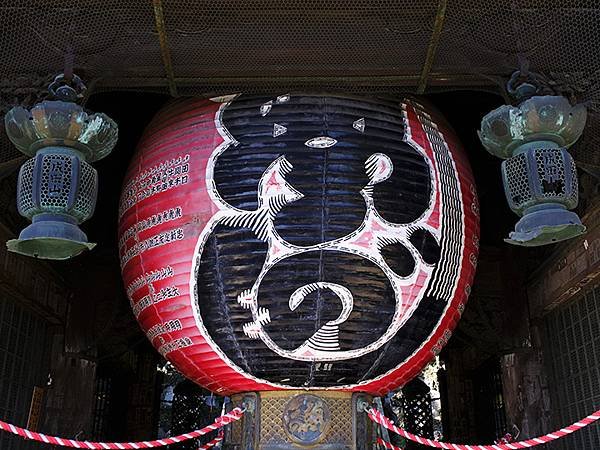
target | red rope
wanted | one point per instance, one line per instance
(379, 418)
(387, 444)
(214, 442)
(220, 422)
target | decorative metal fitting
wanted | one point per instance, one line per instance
(539, 175)
(363, 406)
(524, 84)
(67, 89)
(58, 187)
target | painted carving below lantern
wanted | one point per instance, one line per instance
(306, 418)
(299, 241)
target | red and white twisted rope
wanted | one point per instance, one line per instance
(235, 414)
(379, 418)
(386, 444)
(214, 442)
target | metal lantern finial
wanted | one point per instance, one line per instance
(57, 187)
(539, 175)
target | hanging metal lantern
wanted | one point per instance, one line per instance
(57, 188)
(539, 175)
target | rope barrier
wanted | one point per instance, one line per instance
(214, 442)
(379, 418)
(388, 445)
(237, 413)
(220, 422)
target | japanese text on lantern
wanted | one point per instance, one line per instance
(162, 177)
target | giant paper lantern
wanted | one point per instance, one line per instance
(298, 241)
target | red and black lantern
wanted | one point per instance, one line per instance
(298, 241)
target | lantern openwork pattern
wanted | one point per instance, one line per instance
(64, 184)
(298, 241)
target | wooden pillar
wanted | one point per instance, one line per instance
(70, 396)
(526, 394)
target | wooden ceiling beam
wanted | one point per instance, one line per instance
(165, 51)
(438, 26)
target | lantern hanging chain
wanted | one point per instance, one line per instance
(232, 416)
(379, 418)
(69, 62)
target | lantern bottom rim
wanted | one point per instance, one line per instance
(50, 239)
(546, 226)
(48, 248)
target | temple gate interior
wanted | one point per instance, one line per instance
(524, 358)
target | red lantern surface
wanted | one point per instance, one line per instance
(300, 241)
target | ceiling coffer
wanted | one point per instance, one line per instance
(57, 187)
(539, 175)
